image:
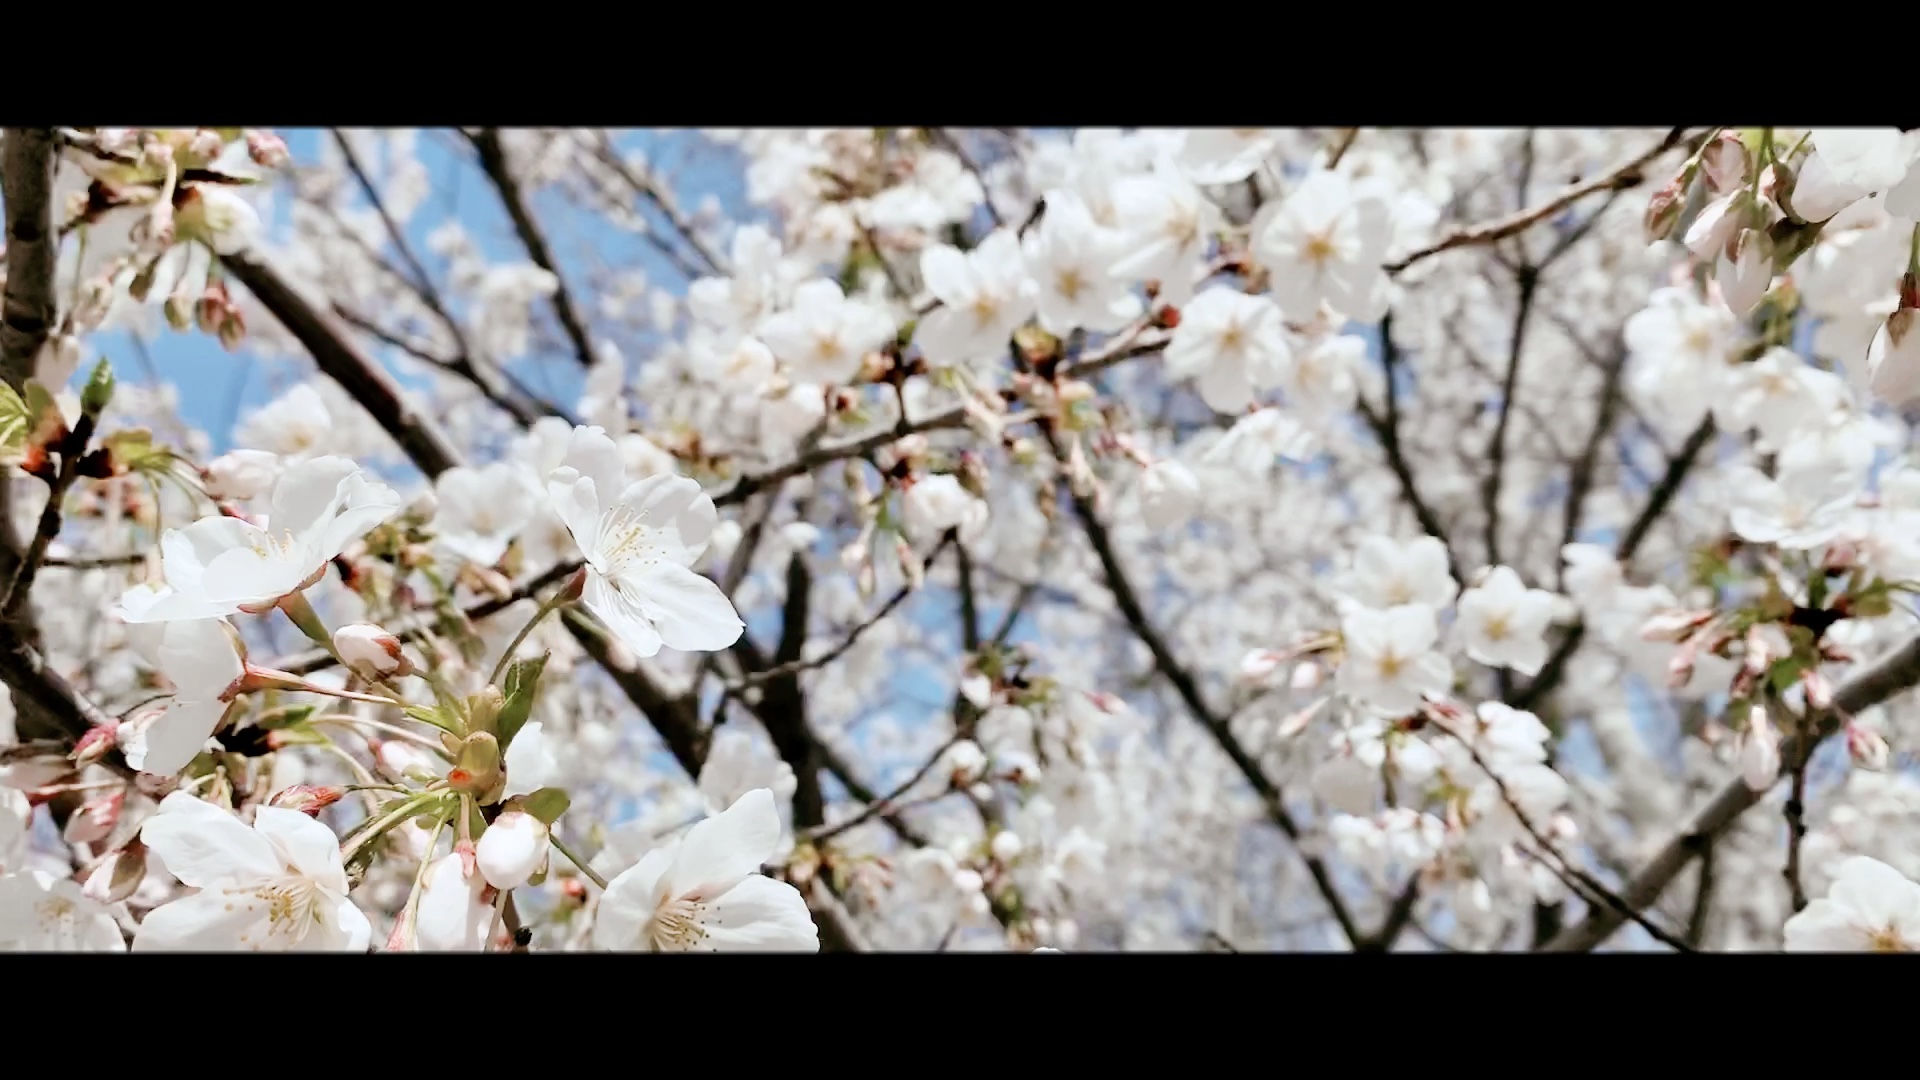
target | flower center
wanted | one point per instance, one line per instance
(293, 909)
(985, 307)
(676, 926)
(826, 346)
(1887, 940)
(1390, 665)
(625, 543)
(1070, 284)
(1319, 249)
(1496, 628)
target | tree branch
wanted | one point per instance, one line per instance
(493, 161)
(1891, 674)
(1628, 174)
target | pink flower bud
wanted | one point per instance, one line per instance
(94, 745)
(1717, 223)
(206, 144)
(95, 819)
(1307, 675)
(1259, 664)
(369, 648)
(1819, 689)
(1663, 210)
(1867, 748)
(1726, 163)
(1673, 625)
(307, 799)
(266, 149)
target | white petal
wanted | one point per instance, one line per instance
(173, 739)
(304, 844)
(622, 614)
(205, 846)
(689, 611)
(760, 915)
(630, 901)
(721, 851)
(210, 921)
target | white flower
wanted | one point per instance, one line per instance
(198, 657)
(295, 425)
(1781, 395)
(1165, 223)
(1070, 257)
(825, 337)
(1321, 379)
(453, 914)
(481, 510)
(43, 913)
(1505, 623)
(1871, 907)
(736, 765)
(1507, 737)
(1801, 509)
(639, 540)
(1868, 160)
(1390, 662)
(218, 217)
(1169, 494)
(1387, 573)
(704, 892)
(937, 503)
(276, 887)
(1326, 244)
(1222, 155)
(1232, 344)
(1680, 346)
(221, 565)
(529, 761)
(511, 849)
(242, 474)
(1759, 750)
(984, 296)
(1893, 360)
(1256, 439)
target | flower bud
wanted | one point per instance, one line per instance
(1725, 163)
(57, 360)
(1759, 751)
(1663, 209)
(511, 849)
(119, 875)
(1260, 664)
(233, 330)
(94, 820)
(1717, 223)
(1673, 625)
(1745, 270)
(968, 881)
(206, 144)
(369, 648)
(1893, 360)
(266, 149)
(1006, 846)
(94, 745)
(1307, 675)
(1867, 748)
(965, 762)
(307, 798)
(1819, 689)
(453, 914)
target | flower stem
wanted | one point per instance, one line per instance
(407, 809)
(506, 657)
(302, 615)
(580, 864)
(412, 911)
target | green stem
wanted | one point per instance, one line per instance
(412, 910)
(506, 657)
(580, 864)
(410, 808)
(302, 615)
(1913, 252)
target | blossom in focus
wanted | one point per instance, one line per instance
(640, 541)
(1871, 907)
(704, 892)
(277, 886)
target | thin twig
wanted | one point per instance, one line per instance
(885, 805)
(1626, 175)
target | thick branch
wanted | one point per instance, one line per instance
(26, 179)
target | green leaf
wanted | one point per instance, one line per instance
(98, 393)
(523, 680)
(434, 715)
(547, 804)
(285, 717)
(1785, 673)
(300, 734)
